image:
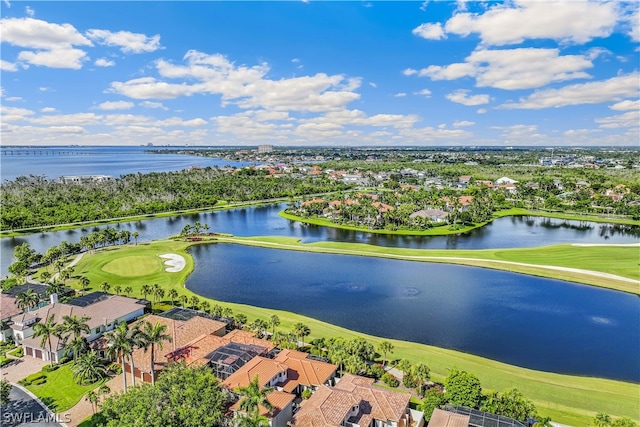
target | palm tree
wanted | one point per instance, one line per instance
(155, 288)
(183, 300)
(120, 346)
(88, 369)
(77, 347)
(421, 373)
(274, 322)
(240, 320)
(172, 294)
(205, 306)
(135, 235)
(301, 330)
(158, 294)
(146, 290)
(46, 330)
(92, 397)
(27, 300)
(194, 301)
(128, 290)
(45, 276)
(84, 282)
(252, 421)
(259, 326)
(138, 339)
(76, 325)
(55, 288)
(227, 312)
(117, 289)
(154, 335)
(253, 396)
(385, 347)
(105, 286)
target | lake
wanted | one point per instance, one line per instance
(507, 232)
(53, 162)
(527, 321)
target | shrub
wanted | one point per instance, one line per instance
(64, 360)
(409, 381)
(39, 381)
(49, 368)
(376, 371)
(4, 361)
(306, 394)
(390, 380)
(19, 352)
(115, 368)
(31, 378)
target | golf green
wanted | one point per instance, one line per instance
(134, 266)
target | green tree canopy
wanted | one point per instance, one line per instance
(182, 397)
(463, 388)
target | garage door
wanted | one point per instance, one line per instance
(38, 353)
(29, 351)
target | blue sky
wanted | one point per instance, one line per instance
(517, 73)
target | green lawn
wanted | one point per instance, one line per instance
(567, 399)
(133, 266)
(61, 392)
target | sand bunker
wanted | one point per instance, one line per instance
(174, 262)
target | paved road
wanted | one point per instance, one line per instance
(23, 410)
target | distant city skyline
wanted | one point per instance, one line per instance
(307, 73)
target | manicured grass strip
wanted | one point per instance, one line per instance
(61, 392)
(568, 399)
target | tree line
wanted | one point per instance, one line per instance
(35, 201)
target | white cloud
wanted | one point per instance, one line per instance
(520, 20)
(115, 105)
(54, 42)
(77, 119)
(104, 62)
(613, 89)
(8, 66)
(626, 105)
(481, 110)
(409, 72)
(628, 119)
(29, 11)
(373, 85)
(246, 87)
(57, 58)
(510, 69)
(37, 34)
(634, 25)
(14, 98)
(45, 89)
(48, 110)
(178, 121)
(520, 134)
(429, 31)
(423, 92)
(151, 104)
(127, 41)
(461, 97)
(400, 94)
(462, 123)
(13, 114)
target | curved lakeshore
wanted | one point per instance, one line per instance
(567, 399)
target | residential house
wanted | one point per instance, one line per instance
(104, 311)
(183, 326)
(441, 418)
(433, 215)
(8, 309)
(355, 402)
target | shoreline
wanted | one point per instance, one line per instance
(436, 231)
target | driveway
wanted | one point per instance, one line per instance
(24, 410)
(20, 368)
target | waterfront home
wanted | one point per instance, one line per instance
(8, 309)
(104, 311)
(183, 326)
(433, 215)
(355, 402)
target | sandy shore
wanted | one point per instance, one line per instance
(174, 262)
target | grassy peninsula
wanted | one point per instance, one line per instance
(567, 399)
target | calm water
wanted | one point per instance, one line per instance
(509, 232)
(538, 323)
(53, 162)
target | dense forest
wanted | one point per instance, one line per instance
(34, 201)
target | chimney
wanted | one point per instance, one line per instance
(54, 298)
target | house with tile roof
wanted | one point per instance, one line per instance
(355, 402)
(104, 311)
(182, 332)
